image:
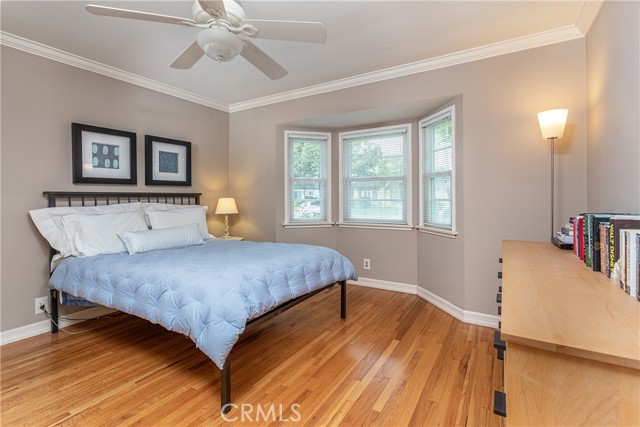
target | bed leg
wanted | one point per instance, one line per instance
(53, 305)
(343, 299)
(225, 386)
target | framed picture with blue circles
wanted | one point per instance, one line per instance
(102, 155)
(166, 161)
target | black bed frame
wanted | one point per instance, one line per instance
(77, 198)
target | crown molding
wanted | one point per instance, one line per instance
(587, 15)
(502, 48)
(35, 48)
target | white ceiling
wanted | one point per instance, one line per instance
(367, 41)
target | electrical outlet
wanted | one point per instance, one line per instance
(366, 264)
(42, 301)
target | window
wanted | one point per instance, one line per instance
(437, 171)
(375, 175)
(307, 177)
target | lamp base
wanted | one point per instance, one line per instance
(561, 245)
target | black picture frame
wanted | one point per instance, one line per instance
(166, 161)
(103, 156)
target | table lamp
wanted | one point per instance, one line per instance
(226, 206)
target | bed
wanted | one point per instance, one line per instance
(209, 291)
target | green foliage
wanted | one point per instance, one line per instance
(369, 160)
(307, 158)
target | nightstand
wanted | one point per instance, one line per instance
(232, 238)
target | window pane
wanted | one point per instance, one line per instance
(436, 139)
(376, 201)
(439, 187)
(307, 158)
(375, 156)
(308, 201)
(440, 212)
(375, 169)
(308, 177)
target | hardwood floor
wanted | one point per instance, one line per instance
(395, 361)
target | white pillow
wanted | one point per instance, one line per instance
(163, 238)
(98, 234)
(49, 222)
(176, 217)
(146, 207)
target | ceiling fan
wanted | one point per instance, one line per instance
(221, 24)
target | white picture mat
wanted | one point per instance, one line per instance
(182, 162)
(124, 144)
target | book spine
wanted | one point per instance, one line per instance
(603, 248)
(581, 244)
(595, 250)
(637, 263)
(588, 257)
(612, 247)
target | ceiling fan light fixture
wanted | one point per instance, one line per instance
(219, 43)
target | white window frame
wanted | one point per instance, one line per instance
(445, 232)
(379, 225)
(288, 222)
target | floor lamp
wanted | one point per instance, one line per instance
(552, 124)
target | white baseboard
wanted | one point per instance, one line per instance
(44, 326)
(470, 317)
(387, 286)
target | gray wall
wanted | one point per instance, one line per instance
(613, 88)
(40, 100)
(505, 168)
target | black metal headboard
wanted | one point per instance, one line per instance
(96, 198)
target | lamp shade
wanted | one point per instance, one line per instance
(226, 205)
(552, 122)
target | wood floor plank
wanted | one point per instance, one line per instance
(395, 361)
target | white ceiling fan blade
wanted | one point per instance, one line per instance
(296, 31)
(262, 61)
(215, 8)
(133, 14)
(188, 57)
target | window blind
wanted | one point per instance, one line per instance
(375, 169)
(437, 166)
(308, 177)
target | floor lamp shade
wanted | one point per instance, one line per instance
(552, 122)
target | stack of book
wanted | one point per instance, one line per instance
(610, 243)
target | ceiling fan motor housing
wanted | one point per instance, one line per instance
(219, 43)
(234, 13)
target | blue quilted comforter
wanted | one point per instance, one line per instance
(207, 292)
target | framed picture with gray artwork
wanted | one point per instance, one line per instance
(166, 161)
(102, 155)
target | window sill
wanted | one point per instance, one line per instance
(323, 224)
(376, 226)
(438, 232)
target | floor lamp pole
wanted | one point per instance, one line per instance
(552, 186)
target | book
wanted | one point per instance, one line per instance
(638, 268)
(592, 237)
(620, 222)
(596, 258)
(578, 245)
(604, 249)
(628, 260)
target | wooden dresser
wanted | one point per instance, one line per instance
(573, 341)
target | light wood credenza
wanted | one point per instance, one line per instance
(573, 341)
